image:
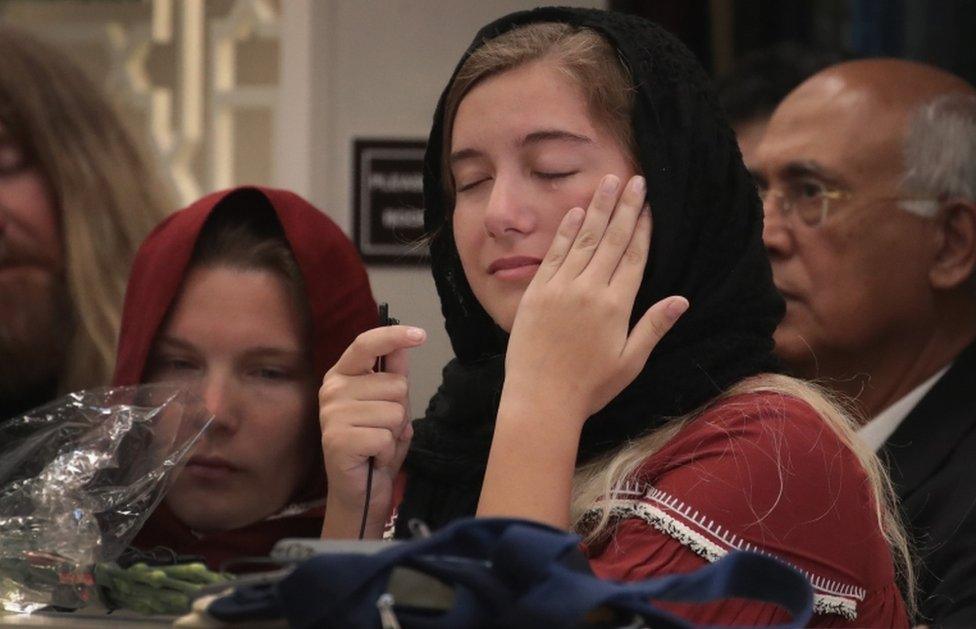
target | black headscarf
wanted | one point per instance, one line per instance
(706, 245)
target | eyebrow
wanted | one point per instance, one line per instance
(808, 168)
(250, 353)
(275, 352)
(175, 342)
(536, 137)
(546, 135)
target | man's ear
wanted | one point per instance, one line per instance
(956, 257)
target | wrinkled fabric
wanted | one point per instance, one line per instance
(342, 307)
(706, 246)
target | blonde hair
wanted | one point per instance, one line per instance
(593, 64)
(107, 193)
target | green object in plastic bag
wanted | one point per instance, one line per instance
(154, 589)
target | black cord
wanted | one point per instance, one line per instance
(369, 488)
(384, 319)
(380, 364)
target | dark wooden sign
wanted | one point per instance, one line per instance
(388, 205)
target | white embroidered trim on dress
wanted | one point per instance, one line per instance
(298, 508)
(390, 527)
(711, 542)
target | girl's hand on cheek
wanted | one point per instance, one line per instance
(570, 341)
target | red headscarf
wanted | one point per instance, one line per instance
(342, 306)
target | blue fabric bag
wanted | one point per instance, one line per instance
(513, 573)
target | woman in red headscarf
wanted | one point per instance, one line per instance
(249, 295)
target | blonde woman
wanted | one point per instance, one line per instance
(586, 392)
(77, 196)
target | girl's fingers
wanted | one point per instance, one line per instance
(363, 443)
(651, 328)
(561, 244)
(630, 269)
(620, 233)
(387, 387)
(377, 414)
(360, 357)
(594, 225)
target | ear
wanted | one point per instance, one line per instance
(956, 257)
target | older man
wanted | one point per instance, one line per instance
(76, 199)
(868, 176)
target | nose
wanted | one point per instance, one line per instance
(220, 396)
(776, 234)
(508, 212)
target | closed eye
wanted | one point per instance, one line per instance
(554, 175)
(472, 185)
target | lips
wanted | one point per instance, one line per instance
(514, 262)
(517, 269)
(786, 293)
(210, 467)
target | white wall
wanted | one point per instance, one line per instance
(373, 68)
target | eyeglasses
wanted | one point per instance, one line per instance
(809, 199)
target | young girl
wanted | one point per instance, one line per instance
(248, 296)
(570, 402)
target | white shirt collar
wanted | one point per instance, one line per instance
(883, 425)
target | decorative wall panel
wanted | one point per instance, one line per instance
(198, 79)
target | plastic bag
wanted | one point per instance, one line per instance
(78, 478)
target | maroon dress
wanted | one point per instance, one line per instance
(760, 472)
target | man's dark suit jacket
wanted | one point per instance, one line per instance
(932, 460)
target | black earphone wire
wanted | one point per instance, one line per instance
(384, 320)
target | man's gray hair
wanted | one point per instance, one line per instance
(940, 153)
